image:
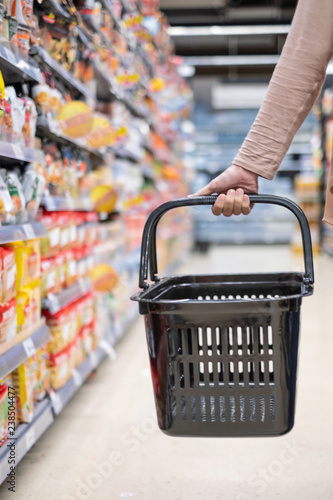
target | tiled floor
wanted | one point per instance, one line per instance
(106, 445)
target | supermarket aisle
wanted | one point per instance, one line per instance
(105, 444)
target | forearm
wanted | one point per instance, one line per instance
(293, 89)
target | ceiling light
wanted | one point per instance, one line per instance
(282, 29)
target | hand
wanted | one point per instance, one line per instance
(234, 181)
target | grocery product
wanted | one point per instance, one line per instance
(8, 265)
(8, 321)
(25, 382)
(43, 374)
(28, 258)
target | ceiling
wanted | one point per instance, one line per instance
(234, 29)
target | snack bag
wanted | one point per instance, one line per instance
(21, 258)
(16, 194)
(59, 368)
(30, 121)
(33, 189)
(24, 310)
(14, 116)
(36, 302)
(34, 261)
(27, 256)
(71, 271)
(25, 382)
(49, 281)
(43, 375)
(9, 273)
(63, 328)
(8, 321)
(6, 203)
(50, 245)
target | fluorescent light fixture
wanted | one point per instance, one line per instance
(231, 60)
(282, 29)
(186, 71)
(244, 96)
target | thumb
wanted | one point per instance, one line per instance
(203, 191)
(220, 184)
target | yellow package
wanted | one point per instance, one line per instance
(25, 382)
(27, 256)
(21, 257)
(33, 253)
(43, 375)
(36, 302)
(24, 310)
(59, 367)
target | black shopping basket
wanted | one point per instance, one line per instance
(223, 348)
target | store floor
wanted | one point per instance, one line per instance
(105, 445)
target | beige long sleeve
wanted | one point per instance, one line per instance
(293, 89)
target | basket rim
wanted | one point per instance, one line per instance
(305, 290)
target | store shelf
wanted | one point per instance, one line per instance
(127, 8)
(55, 7)
(15, 153)
(92, 26)
(61, 397)
(22, 232)
(55, 302)
(56, 203)
(14, 68)
(59, 71)
(17, 353)
(26, 436)
(43, 130)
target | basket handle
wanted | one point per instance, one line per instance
(148, 246)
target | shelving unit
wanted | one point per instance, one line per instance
(13, 65)
(55, 302)
(131, 149)
(43, 130)
(22, 232)
(46, 411)
(21, 348)
(60, 203)
(26, 436)
(16, 153)
(61, 72)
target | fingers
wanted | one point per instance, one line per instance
(246, 207)
(233, 203)
(219, 204)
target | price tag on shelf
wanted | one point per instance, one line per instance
(56, 402)
(10, 56)
(18, 152)
(50, 204)
(77, 378)
(23, 65)
(94, 360)
(86, 203)
(29, 347)
(30, 438)
(70, 203)
(29, 231)
(108, 349)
